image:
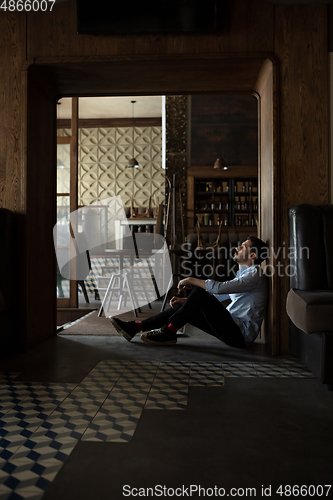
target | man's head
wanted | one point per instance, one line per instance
(252, 251)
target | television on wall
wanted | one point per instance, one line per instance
(115, 17)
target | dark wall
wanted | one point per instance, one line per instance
(224, 126)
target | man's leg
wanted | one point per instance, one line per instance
(204, 311)
(157, 321)
(128, 329)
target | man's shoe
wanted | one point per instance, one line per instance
(127, 329)
(162, 336)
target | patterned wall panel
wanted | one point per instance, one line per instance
(103, 156)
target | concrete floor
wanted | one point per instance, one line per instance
(254, 431)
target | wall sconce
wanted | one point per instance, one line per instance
(132, 163)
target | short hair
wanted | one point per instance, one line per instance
(260, 248)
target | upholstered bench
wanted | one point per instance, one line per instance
(310, 301)
(311, 310)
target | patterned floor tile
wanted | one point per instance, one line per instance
(270, 370)
(14, 393)
(118, 417)
(31, 493)
(206, 374)
(170, 387)
(291, 360)
(296, 368)
(300, 372)
(5, 492)
(41, 422)
(6, 377)
(239, 369)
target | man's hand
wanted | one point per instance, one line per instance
(187, 282)
(183, 284)
(176, 302)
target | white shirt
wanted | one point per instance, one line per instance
(248, 294)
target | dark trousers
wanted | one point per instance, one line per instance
(203, 311)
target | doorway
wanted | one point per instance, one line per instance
(171, 76)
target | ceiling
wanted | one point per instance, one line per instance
(113, 107)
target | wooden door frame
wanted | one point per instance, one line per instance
(72, 140)
(89, 76)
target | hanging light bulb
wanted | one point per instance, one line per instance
(132, 163)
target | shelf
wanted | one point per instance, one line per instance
(216, 228)
(223, 204)
(211, 193)
(210, 211)
(245, 193)
(245, 225)
(246, 212)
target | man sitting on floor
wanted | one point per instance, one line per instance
(237, 325)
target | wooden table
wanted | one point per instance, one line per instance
(119, 224)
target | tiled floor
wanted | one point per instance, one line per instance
(41, 423)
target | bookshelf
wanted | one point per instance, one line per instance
(228, 197)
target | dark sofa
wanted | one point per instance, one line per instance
(310, 300)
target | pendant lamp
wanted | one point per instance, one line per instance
(220, 164)
(132, 163)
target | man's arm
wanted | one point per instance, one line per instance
(187, 282)
(248, 282)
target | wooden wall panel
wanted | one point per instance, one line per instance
(268, 192)
(40, 208)
(301, 46)
(248, 27)
(12, 56)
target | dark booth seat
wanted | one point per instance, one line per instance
(311, 310)
(310, 300)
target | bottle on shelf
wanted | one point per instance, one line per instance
(245, 204)
(227, 187)
(212, 206)
(239, 220)
(218, 221)
(244, 187)
(226, 220)
(239, 204)
(250, 187)
(220, 205)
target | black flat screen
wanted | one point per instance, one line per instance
(101, 17)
